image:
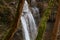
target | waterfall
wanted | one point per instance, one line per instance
(28, 23)
(25, 28)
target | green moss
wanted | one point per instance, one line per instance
(42, 25)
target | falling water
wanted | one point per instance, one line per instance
(25, 28)
(28, 23)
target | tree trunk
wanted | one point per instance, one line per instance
(56, 25)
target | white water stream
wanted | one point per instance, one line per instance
(28, 23)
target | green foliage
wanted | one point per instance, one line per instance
(45, 17)
(4, 13)
(13, 27)
(6, 18)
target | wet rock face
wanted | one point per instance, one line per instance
(35, 10)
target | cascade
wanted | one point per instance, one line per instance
(28, 23)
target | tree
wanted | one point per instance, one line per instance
(9, 34)
(56, 25)
(45, 17)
